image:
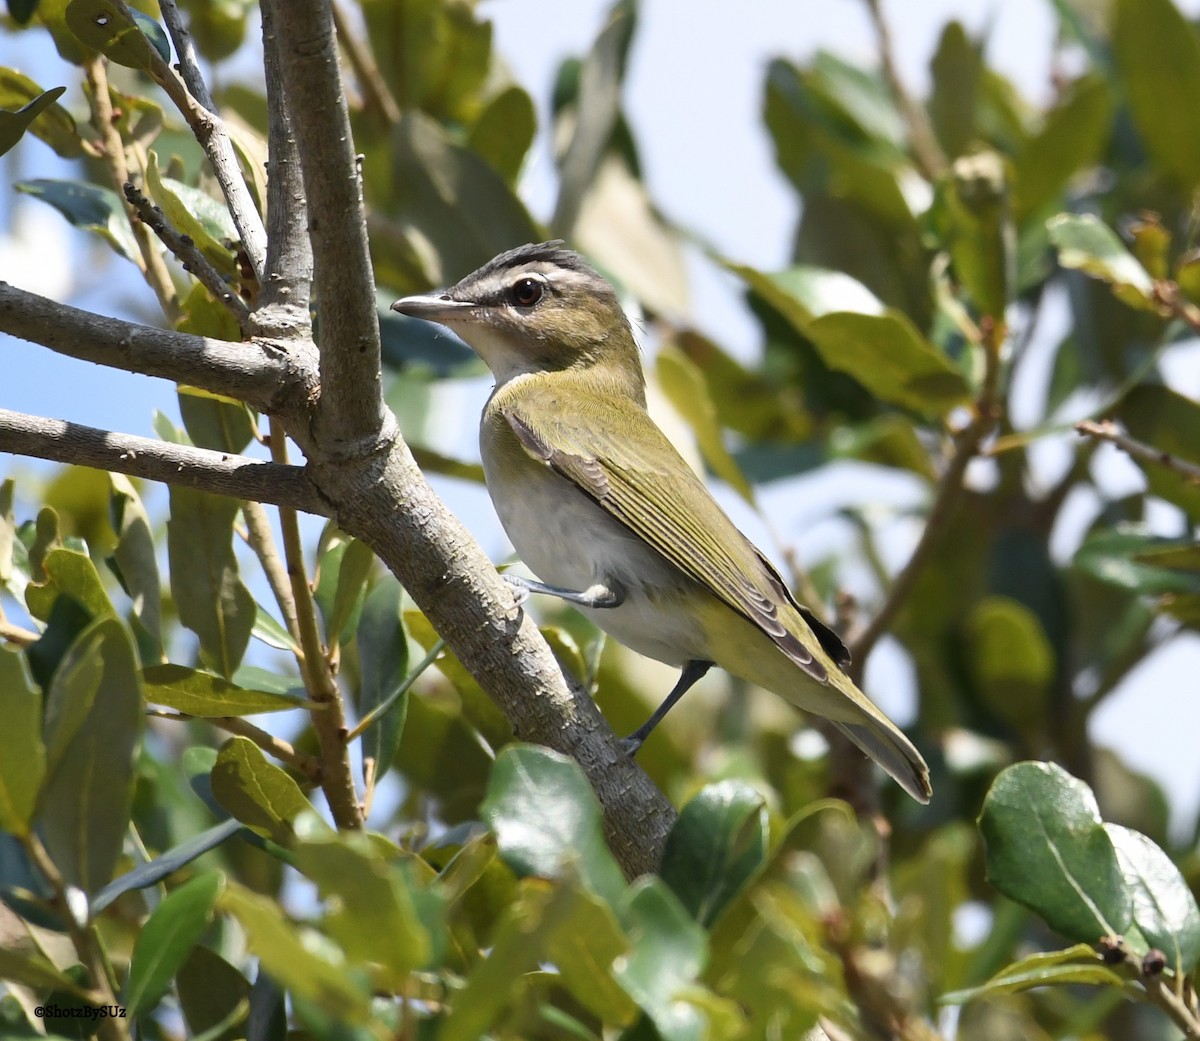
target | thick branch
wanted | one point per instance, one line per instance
(390, 506)
(350, 416)
(215, 472)
(256, 372)
(283, 302)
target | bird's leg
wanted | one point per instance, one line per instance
(692, 671)
(598, 595)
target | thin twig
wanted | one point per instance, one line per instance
(152, 265)
(83, 938)
(216, 472)
(188, 254)
(405, 686)
(377, 97)
(303, 763)
(263, 543)
(925, 149)
(191, 96)
(949, 490)
(1107, 430)
(337, 780)
(16, 635)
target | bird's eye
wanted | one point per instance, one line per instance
(526, 292)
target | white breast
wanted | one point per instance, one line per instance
(567, 540)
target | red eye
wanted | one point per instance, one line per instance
(526, 292)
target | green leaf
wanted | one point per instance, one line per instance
(453, 199)
(68, 573)
(669, 953)
(213, 995)
(198, 693)
(1170, 422)
(685, 387)
(1085, 243)
(1011, 662)
(297, 958)
(1119, 557)
(354, 568)
(21, 11)
(198, 215)
(1164, 909)
(584, 952)
(89, 207)
(154, 871)
(93, 725)
(258, 793)
(1074, 965)
(210, 597)
(519, 942)
(971, 216)
(14, 124)
(371, 908)
(1047, 849)
(167, 939)
(504, 132)
(271, 632)
(804, 293)
(23, 764)
(718, 842)
(35, 970)
(547, 820)
(1072, 139)
(104, 26)
(955, 67)
(135, 559)
(1158, 58)
(216, 422)
(383, 662)
(888, 356)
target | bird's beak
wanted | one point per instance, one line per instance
(433, 308)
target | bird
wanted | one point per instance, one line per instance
(600, 505)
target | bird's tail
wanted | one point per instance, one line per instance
(893, 751)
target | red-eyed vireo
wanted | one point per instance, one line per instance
(600, 505)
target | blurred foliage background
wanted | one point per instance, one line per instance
(938, 236)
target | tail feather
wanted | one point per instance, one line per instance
(894, 752)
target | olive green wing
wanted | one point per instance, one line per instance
(621, 460)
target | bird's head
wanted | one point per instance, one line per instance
(536, 308)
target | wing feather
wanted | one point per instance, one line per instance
(672, 510)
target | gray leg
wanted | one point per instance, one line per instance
(692, 671)
(598, 595)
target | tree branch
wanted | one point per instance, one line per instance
(1107, 430)
(187, 253)
(195, 104)
(949, 489)
(283, 301)
(350, 415)
(925, 148)
(376, 96)
(329, 719)
(391, 507)
(215, 472)
(259, 372)
(152, 265)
